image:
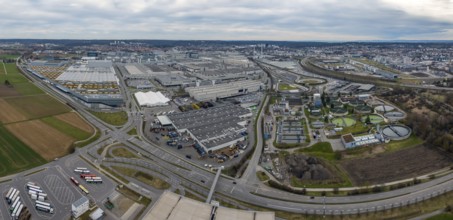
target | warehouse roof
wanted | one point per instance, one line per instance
(171, 206)
(151, 98)
(164, 120)
(80, 201)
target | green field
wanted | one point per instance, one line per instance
(320, 149)
(18, 81)
(443, 216)
(412, 141)
(38, 106)
(374, 119)
(13, 75)
(66, 128)
(344, 122)
(27, 88)
(9, 56)
(114, 118)
(284, 86)
(15, 155)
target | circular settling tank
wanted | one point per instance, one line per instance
(384, 108)
(396, 132)
(343, 122)
(374, 119)
(339, 111)
(363, 109)
(394, 115)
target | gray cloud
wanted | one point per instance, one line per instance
(220, 19)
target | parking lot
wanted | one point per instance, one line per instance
(54, 180)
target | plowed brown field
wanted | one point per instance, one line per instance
(42, 138)
(75, 120)
(9, 114)
(388, 167)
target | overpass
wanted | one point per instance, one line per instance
(214, 183)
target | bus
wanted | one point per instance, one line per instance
(16, 208)
(34, 189)
(10, 197)
(30, 185)
(97, 181)
(43, 203)
(9, 193)
(84, 189)
(88, 178)
(84, 175)
(78, 171)
(42, 194)
(97, 178)
(44, 208)
(74, 181)
(15, 203)
(85, 171)
(19, 210)
(13, 197)
(81, 168)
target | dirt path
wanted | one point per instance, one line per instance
(4, 67)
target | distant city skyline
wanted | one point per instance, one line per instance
(325, 20)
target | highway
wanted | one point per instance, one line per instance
(187, 175)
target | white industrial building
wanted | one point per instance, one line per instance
(215, 91)
(80, 206)
(150, 99)
(96, 71)
(350, 141)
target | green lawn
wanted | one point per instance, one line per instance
(114, 118)
(143, 177)
(38, 106)
(66, 128)
(9, 56)
(412, 141)
(262, 176)
(443, 216)
(321, 149)
(133, 131)
(284, 86)
(15, 155)
(152, 180)
(27, 88)
(358, 128)
(89, 141)
(123, 152)
(13, 75)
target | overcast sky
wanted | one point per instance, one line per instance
(324, 20)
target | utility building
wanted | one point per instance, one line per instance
(80, 206)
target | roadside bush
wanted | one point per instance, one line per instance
(278, 185)
(377, 189)
(448, 208)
